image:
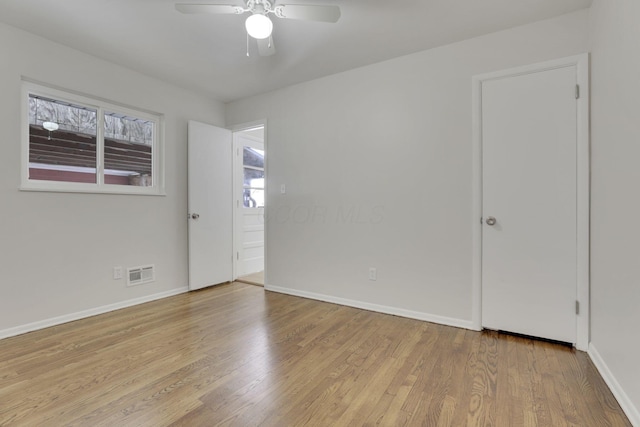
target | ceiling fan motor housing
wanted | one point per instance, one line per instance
(260, 6)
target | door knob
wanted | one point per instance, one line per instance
(491, 221)
(195, 216)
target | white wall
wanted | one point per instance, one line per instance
(615, 222)
(390, 145)
(57, 250)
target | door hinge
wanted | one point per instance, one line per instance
(577, 307)
(577, 91)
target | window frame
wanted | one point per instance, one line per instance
(101, 106)
(255, 168)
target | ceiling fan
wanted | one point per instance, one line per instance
(258, 24)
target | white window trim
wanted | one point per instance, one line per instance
(157, 150)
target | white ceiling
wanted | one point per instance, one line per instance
(207, 53)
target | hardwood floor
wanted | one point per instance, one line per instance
(236, 355)
(253, 279)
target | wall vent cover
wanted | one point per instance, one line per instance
(140, 275)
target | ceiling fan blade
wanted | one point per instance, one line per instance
(266, 46)
(308, 12)
(208, 8)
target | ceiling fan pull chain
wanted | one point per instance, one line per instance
(270, 40)
(247, 44)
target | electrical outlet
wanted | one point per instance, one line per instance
(373, 274)
(117, 273)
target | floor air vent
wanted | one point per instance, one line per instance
(140, 275)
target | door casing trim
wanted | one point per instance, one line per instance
(581, 62)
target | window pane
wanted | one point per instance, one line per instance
(253, 178)
(66, 152)
(253, 157)
(253, 198)
(128, 144)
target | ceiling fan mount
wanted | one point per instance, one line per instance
(262, 7)
(258, 25)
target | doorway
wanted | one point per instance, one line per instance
(249, 205)
(531, 201)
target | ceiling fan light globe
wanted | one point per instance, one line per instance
(50, 126)
(259, 26)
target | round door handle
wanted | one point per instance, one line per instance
(195, 216)
(491, 221)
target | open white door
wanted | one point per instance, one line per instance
(210, 205)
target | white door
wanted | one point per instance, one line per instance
(210, 205)
(249, 190)
(529, 191)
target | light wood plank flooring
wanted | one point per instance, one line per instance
(253, 279)
(236, 355)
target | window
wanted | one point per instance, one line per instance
(74, 143)
(253, 183)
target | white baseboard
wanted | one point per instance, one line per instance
(29, 327)
(448, 321)
(623, 399)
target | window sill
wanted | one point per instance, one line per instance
(106, 189)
